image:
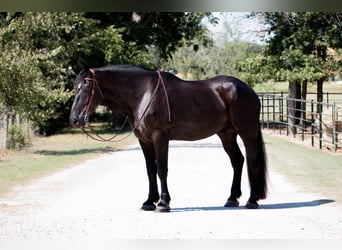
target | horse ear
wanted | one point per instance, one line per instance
(87, 71)
(84, 71)
(79, 72)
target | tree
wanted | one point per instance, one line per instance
(298, 50)
(39, 53)
(24, 89)
(219, 58)
(164, 31)
(306, 36)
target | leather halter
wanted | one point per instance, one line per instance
(90, 101)
(86, 117)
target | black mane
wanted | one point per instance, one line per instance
(129, 68)
(123, 67)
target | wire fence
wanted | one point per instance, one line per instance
(308, 120)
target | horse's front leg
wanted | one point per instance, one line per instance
(161, 147)
(151, 166)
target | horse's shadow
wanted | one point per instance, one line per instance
(287, 205)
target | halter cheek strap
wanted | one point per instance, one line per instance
(90, 101)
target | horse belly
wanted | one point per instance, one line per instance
(196, 126)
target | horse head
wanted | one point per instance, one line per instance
(88, 96)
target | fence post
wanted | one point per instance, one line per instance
(315, 120)
(302, 116)
(273, 111)
(262, 110)
(312, 124)
(281, 110)
(287, 117)
(320, 127)
(268, 111)
(334, 123)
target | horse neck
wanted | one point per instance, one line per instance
(125, 90)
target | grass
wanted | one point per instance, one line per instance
(312, 170)
(47, 155)
(331, 87)
(271, 87)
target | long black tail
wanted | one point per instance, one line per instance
(261, 160)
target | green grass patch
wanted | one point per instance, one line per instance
(331, 87)
(312, 170)
(47, 155)
(271, 87)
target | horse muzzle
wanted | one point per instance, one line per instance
(78, 122)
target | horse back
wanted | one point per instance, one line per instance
(228, 88)
(203, 108)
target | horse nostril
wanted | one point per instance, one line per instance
(73, 121)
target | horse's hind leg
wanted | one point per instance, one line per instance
(256, 166)
(236, 158)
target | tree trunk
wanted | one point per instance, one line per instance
(4, 123)
(319, 94)
(303, 106)
(293, 106)
(27, 129)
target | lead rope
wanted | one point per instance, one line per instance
(101, 139)
(166, 96)
(160, 80)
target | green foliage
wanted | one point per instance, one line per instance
(298, 48)
(311, 32)
(32, 84)
(257, 69)
(301, 41)
(16, 138)
(208, 61)
(42, 51)
(163, 31)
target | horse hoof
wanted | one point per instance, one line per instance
(231, 203)
(252, 205)
(162, 209)
(146, 207)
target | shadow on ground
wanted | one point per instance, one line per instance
(287, 205)
(75, 152)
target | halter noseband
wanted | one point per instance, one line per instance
(90, 101)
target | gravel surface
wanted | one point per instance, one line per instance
(100, 199)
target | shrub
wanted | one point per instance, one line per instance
(16, 138)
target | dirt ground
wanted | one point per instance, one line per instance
(100, 199)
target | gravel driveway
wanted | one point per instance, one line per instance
(100, 199)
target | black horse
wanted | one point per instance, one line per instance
(162, 107)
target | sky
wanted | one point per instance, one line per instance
(240, 26)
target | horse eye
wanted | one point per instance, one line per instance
(79, 86)
(87, 85)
